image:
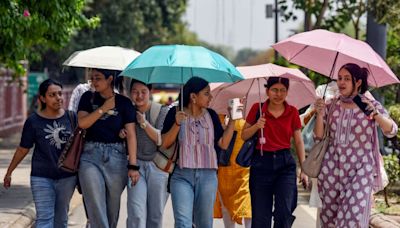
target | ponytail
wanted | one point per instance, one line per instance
(358, 73)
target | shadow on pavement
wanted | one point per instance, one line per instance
(16, 197)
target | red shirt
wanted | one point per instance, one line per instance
(277, 131)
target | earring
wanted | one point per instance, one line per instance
(193, 101)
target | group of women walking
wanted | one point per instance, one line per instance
(122, 139)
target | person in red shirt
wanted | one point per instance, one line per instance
(273, 169)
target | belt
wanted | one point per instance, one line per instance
(276, 151)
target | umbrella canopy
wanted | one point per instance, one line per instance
(105, 57)
(301, 88)
(178, 63)
(325, 52)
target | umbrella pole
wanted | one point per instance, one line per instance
(181, 101)
(331, 74)
(260, 110)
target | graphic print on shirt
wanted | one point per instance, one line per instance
(57, 134)
(111, 112)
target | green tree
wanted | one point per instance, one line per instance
(29, 27)
(136, 24)
(244, 55)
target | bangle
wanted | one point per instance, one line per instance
(177, 124)
(7, 177)
(133, 167)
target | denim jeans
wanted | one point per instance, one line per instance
(193, 194)
(51, 199)
(147, 199)
(103, 174)
(273, 183)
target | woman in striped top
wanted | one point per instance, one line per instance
(200, 135)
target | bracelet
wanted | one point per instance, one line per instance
(7, 177)
(177, 124)
(133, 167)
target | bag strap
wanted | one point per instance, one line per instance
(72, 119)
(155, 109)
(326, 131)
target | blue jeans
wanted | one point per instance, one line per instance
(193, 194)
(51, 199)
(147, 199)
(273, 183)
(103, 174)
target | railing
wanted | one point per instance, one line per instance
(13, 104)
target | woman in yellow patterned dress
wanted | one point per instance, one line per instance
(233, 202)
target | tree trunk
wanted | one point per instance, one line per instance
(386, 197)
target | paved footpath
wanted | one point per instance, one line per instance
(17, 209)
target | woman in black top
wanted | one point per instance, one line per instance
(103, 170)
(48, 130)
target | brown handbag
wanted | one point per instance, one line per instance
(166, 159)
(70, 156)
(312, 164)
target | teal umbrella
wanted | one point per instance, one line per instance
(178, 63)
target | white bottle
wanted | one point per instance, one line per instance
(236, 108)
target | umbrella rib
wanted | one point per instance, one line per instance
(369, 68)
(298, 52)
(248, 91)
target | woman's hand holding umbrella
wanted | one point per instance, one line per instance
(179, 117)
(320, 106)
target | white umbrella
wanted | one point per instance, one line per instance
(104, 57)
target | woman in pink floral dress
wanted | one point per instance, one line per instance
(350, 169)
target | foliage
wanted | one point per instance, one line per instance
(243, 55)
(136, 24)
(386, 11)
(327, 14)
(394, 112)
(392, 167)
(29, 27)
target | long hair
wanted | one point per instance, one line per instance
(43, 87)
(357, 73)
(194, 85)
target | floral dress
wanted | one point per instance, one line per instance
(348, 172)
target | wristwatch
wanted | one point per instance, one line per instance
(99, 110)
(133, 167)
(143, 125)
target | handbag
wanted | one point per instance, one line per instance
(166, 159)
(312, 164)
(71, 154)
(246, 152)
(224, 156)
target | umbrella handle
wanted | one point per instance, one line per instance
(181, 101)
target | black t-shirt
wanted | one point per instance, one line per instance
(218, 130)
(49, 137)
(107, 128)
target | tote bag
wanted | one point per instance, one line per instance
(70, 156)
(312, 164)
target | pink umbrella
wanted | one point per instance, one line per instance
(301, 88)
(325, 52)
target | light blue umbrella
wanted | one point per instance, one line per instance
(178, 63)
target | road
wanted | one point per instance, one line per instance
(305, 216)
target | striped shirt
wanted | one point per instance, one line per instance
(196, 140)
